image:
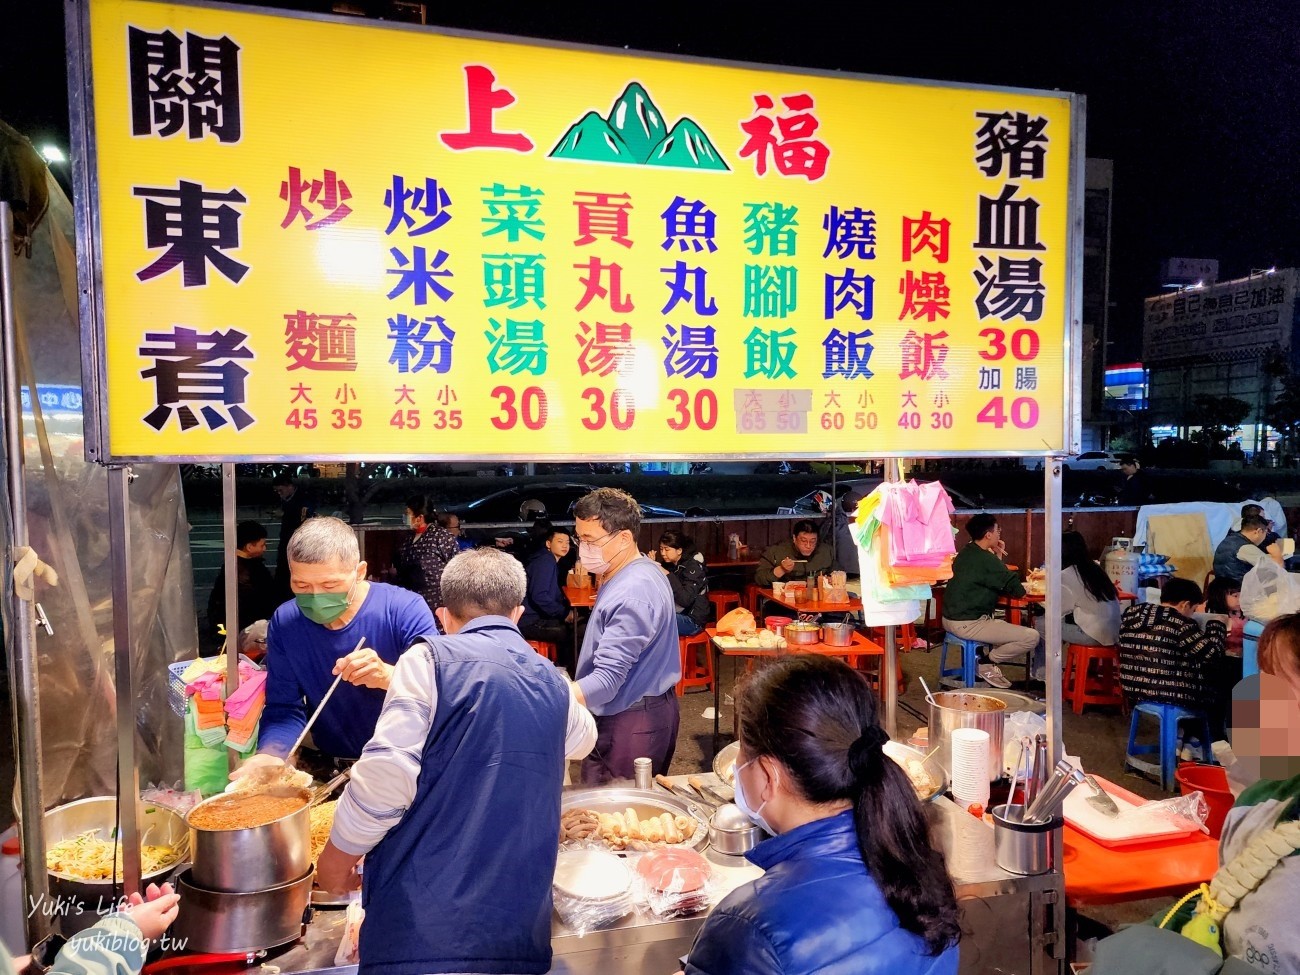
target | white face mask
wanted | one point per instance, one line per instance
(743, 805)
(592, 558)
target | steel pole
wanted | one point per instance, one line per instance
(21, 644)
(128, 776)
(232, 590)
(889, 672)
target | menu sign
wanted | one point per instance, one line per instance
(325, 238)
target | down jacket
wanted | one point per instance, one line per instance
(815, 909)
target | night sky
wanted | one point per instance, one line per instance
(1196, 102)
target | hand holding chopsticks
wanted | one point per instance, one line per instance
(364, 668)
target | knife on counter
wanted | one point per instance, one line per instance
(684, 793)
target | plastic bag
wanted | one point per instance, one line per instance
(1018, 725)
(349, 952)
(1268, 590)
(592, 888)
(673, 882)
(1180, 809)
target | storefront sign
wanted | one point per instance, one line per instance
(1240, 319)
(326, 238)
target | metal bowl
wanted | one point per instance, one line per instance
(802, 634)
(900, 753)
(838, 634)
(646, 802)
(732, 832)
(724, 763)
(91, 899)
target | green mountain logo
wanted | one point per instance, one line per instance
(635, 134)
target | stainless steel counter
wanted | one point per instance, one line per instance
(1014, 923)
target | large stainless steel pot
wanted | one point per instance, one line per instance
(802, 634)
(964, 709)
(837, 634)
(257, 857)
(80, 903)
(229, 923)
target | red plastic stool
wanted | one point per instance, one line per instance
(723, 600)
(1080, 688)
(752, 598)
(694, 673)
(545, 647)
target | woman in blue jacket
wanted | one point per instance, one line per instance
(851, 883)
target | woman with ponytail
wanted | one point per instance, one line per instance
(851, 883)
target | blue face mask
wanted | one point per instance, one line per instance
(743, 804)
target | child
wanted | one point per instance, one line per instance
(1164, 656)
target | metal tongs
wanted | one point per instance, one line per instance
(1049, 799)
(321, 793)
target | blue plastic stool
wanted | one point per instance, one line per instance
(1250, 647)
(1168, 715)
(969, 656)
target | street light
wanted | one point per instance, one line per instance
(53, 154)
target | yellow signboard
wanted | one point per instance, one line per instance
(325, 238)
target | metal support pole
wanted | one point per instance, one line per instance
(128, 775)
(232, 589)
(889, 672)
(23, 672)
(1051, 617)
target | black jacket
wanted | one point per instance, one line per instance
(690, 588)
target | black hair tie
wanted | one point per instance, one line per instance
(866, 752)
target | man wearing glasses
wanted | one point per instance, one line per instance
(629, 664)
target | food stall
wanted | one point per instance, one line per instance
(356, 316)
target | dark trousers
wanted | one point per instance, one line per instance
(552, 631)
(648, 729)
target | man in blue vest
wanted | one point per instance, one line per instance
(455, 801)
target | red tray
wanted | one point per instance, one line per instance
(1097, 827)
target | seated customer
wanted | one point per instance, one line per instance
(851, 882)
(797, 560)
(1240, 550)
(547, 613)
(979, 578)
(1089, 602)
(1163, 655)
(685, 569)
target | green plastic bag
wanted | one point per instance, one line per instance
(207, 769)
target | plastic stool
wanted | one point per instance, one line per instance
(1081, 689)
(695, 674)
(723, 600)
(1250, 647)
(752, 598)
(545, 647)
(969, 657)
(1169, 715)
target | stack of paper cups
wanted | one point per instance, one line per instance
(970, 766)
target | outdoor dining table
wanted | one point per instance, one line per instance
(859, 647)
(852, 605)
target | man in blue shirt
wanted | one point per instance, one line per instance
(337, 624)
(629, 664)
(547, 613)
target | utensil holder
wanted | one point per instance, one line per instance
(1022, 848)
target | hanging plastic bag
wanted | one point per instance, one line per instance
(349, 952)
(1268, 591)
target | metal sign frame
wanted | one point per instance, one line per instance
(89, 254)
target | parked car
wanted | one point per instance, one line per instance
(819, 502)
(1092, 460)
(526, 503)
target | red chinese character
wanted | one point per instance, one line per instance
(404, 395)
(925, 295)
(924, 233)
(794, 152)
(596, 269)
(331, 193)
(484, 100)
(603, 215)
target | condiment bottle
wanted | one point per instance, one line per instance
(643, 773)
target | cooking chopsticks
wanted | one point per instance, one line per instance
(319, 708)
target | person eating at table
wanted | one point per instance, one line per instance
(629, 664)
(802, 558)
(979, 580)
(338, 624)
(684, 566)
